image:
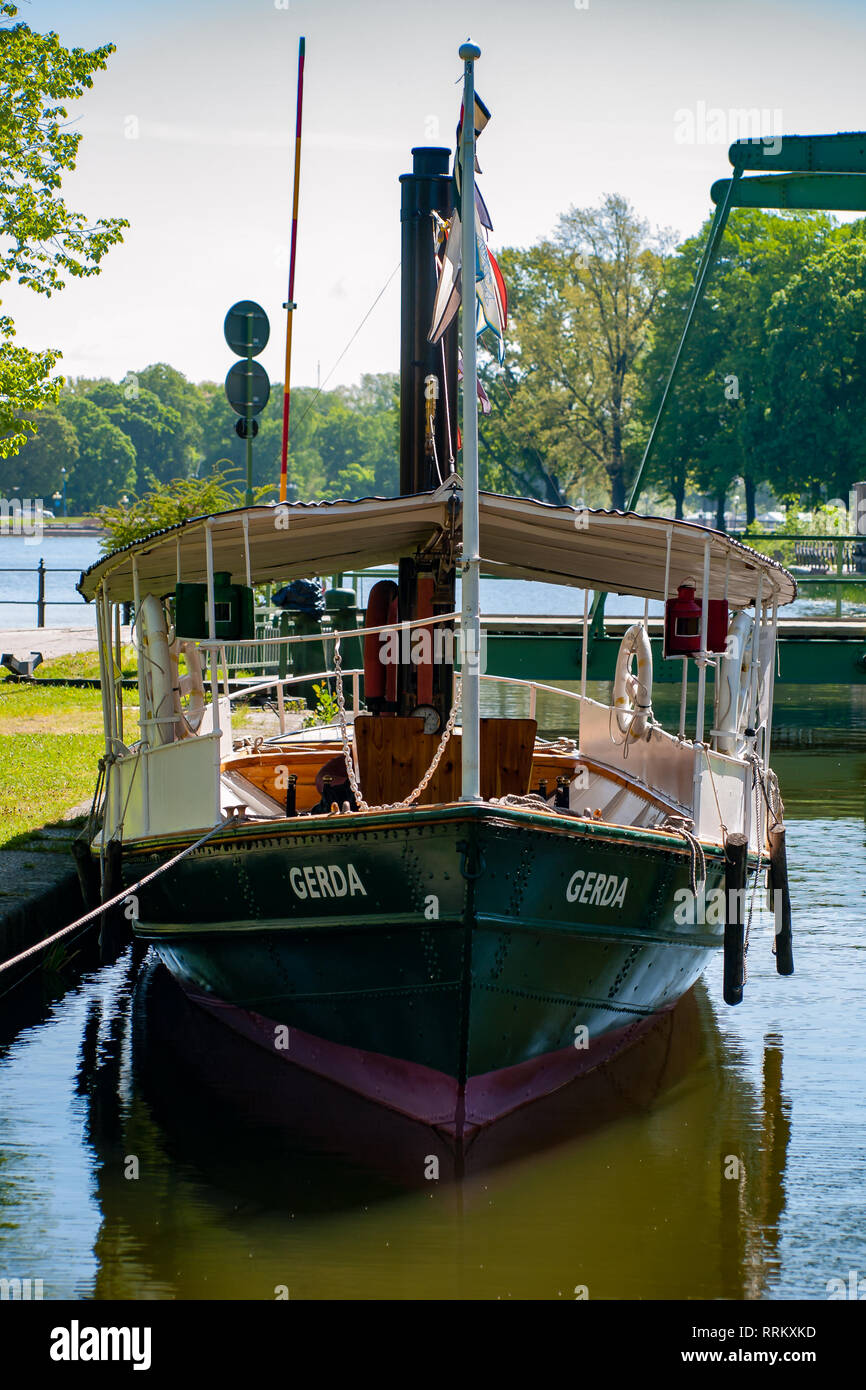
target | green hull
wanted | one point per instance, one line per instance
(466, 942)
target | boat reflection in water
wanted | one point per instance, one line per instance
(660, 1174)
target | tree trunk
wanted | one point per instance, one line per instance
(679, 491)
(720, 508)
(750, 489)
(617, 487)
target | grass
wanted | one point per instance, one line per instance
(51, 740)
(42, 775)
(84, 666)
(31, 709)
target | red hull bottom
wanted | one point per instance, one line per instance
(421, 1093)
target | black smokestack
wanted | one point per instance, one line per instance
(427, 189)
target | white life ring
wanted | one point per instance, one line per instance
(189, 687)
(632, 694)
(734, 682)
(154, 653)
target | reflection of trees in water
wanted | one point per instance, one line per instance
(233, 1146)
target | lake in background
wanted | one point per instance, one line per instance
(66, 556)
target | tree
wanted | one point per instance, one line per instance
(219, 441)
(42, 240)
(37, 468)
(357, 437)
(509, 460)
(580, 309)
(718, 426)
(816, 359)
(168, 505)
(148, 424)
(105, 466)
(171, 388)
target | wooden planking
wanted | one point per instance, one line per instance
(394, 753)
(267, 768)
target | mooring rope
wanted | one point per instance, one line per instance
(676, 824)
(111, 902)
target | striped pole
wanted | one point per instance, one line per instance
(290, 305)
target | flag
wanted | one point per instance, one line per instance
(481, 209)
(489, 304)
(490, 291)
(482, 116)
(447, 298)
(491, 299)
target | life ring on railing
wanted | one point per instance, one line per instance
(632, 694)
(380, 676)
(189, 687)
(154, 652)
(734, 680)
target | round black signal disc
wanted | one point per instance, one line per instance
(246, 429)
(246, 328)
(247, 388)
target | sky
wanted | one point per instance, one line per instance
(189, 133)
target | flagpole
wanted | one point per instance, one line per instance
(470, 563)
(290, 305)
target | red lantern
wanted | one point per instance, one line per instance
(683, 617)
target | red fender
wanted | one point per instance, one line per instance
(380, 680)
(425, 610)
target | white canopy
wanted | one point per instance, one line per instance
(620, 552)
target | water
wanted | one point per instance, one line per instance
(65, 557)
(619, 1186)
(66, 608)
(143, 1156)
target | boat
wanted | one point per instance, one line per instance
(428, 902)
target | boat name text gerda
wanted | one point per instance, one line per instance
(329, 878)
(605, 890)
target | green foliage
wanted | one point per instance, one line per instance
(43, 241)
(580, 307)
(52, 448)
(752, 399)
(342, 443)
(168, 505)
(326, 710)
(106, 460)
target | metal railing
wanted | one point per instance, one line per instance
(830, 560)
(42, 599)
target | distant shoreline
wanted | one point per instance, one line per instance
(96, 531)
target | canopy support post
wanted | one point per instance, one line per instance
(583, 648)
(703, 655)
(771, 677)
(213, 655)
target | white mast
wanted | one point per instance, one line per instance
(471, 612)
